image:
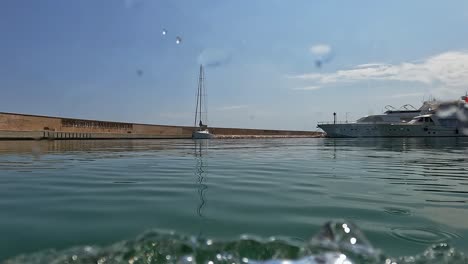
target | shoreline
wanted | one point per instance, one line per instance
(48, 135)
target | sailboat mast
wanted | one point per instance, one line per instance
(201, 92)
(196, 107)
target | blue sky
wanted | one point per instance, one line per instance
(82, 58)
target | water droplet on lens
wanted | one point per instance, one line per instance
(178, 40)
(164, 32)
(465, 131)
(445, 112)
(318, 63)
(74, 257)
(462, 116)
(353, 240)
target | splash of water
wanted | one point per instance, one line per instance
(338, 242)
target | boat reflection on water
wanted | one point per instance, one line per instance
(395, 144)
(200, 153)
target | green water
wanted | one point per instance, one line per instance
(404, 194)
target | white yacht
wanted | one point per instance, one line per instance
(201, 132)
(432, 119)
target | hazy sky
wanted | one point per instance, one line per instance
(109, 59)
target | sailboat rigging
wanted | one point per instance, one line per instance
(201, 129)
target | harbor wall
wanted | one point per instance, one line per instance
(21, 126)
(259, 132)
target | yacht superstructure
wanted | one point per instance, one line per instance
(430, 120)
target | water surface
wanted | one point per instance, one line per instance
(405, 194)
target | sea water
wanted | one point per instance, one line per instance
(234, 201)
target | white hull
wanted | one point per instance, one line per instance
(354, 130)
(202, 135)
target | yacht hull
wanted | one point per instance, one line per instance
(354, 130)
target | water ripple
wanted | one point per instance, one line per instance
(423, 235)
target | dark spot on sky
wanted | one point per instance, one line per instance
(318, 63)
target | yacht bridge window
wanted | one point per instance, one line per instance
(370, 119)
(428, 120)
(424, 120)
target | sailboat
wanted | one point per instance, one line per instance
(201, 131)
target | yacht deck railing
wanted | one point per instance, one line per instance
(331, 122)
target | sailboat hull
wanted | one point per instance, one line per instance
(202, 135)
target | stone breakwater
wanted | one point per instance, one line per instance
(21, 126)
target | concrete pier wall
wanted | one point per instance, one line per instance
(20, 126)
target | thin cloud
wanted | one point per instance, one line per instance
(405, 95)
(232, 107)
(307, 88)
(214, 58)
(448, 70)
(367, 65)
(320, 49)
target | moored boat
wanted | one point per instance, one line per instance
(201, 132)
(430, 120)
